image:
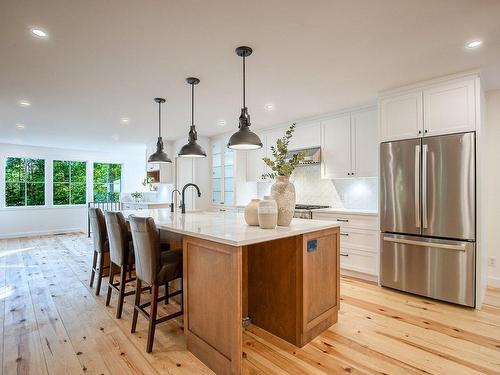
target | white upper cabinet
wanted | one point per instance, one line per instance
(336, 147)
(401, 116)
(305, 136)
(449, 108)
(438, 107)
(364, 133)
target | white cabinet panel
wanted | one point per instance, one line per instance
(364, 143)
(255, 167)
(449, 108)
(401, 116)
(335, 147)
(305, 136)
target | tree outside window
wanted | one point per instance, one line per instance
(69, 182)
(107, 182)
(24, 182)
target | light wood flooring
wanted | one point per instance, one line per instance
(52, 323)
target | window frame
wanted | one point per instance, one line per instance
(5, 182)
(222, 141)
(94, 162)
(69, 184)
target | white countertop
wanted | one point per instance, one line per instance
(354, 211)
(226, 227)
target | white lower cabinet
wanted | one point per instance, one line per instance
(359, 242)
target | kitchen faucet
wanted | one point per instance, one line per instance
(172, 204)
(183, 205)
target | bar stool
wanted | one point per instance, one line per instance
(101, 246)
(121, 255)
(155, 268)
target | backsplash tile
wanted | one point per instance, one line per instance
(355, 193)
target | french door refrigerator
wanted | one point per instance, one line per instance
(428, 216)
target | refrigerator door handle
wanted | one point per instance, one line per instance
(417, 186)
(424, 186)
(425, 244)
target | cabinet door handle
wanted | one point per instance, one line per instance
(344, 234)
(344, 254)
(343, 220)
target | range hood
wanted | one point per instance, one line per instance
(313, 155)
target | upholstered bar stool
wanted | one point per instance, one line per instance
(101, 247)
(121, 254)
(155, 268)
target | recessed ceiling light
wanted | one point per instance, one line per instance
(24, 103)
(39, 33)
(124, 120)
(222, 122)
(269, 107)
(20, 126)
(473, 44)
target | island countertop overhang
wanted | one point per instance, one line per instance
(227, 227)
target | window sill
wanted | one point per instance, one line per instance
(46, 207)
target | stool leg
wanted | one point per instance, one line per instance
(138, 287)
(110, 282)
(121, 295)
(99, 273)
(166, 293)
(92, 273)
(152, 319)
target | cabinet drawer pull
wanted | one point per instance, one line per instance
(344, 234)
(343, 220)
(344, 254)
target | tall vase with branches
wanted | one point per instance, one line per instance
(283, 191)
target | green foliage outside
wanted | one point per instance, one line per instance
(69, 182)
(25, 182)
(281, 166)
(107, 182)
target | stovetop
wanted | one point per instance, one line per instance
(309, 206)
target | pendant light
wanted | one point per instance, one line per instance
(244, 138)
(159, 156)
(192, 149)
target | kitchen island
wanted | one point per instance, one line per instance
(284, 280)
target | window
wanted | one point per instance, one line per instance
(222, 174)
(107, 182)
(69, 182)
(24, 182)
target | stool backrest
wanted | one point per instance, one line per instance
(146, 248)
(118, 236)
(98, 226)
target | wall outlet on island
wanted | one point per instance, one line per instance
(492, 262)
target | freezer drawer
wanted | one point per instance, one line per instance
(440, 269)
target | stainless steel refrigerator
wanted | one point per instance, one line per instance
(428, 216)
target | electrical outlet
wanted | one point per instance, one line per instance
(491, 262)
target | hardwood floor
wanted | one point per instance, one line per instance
(52, 323)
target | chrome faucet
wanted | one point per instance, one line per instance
(183, 205)
(172, 206)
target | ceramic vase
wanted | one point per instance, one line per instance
(283, 192)
(268, 213)
(251, 212)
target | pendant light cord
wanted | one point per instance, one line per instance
(192, 104)
(159, 119)
(244, 89)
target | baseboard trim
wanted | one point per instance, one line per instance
(359, 275)
(494, 281)
(41, 233)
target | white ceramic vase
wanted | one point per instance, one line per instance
(283, 192)
(268, 213)
(251, 212)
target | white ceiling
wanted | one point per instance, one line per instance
(108, 59)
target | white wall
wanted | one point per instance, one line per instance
(20, 221)
(492, 173)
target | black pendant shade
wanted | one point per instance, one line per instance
(192, 149)
(244, 138)
(159, 156)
